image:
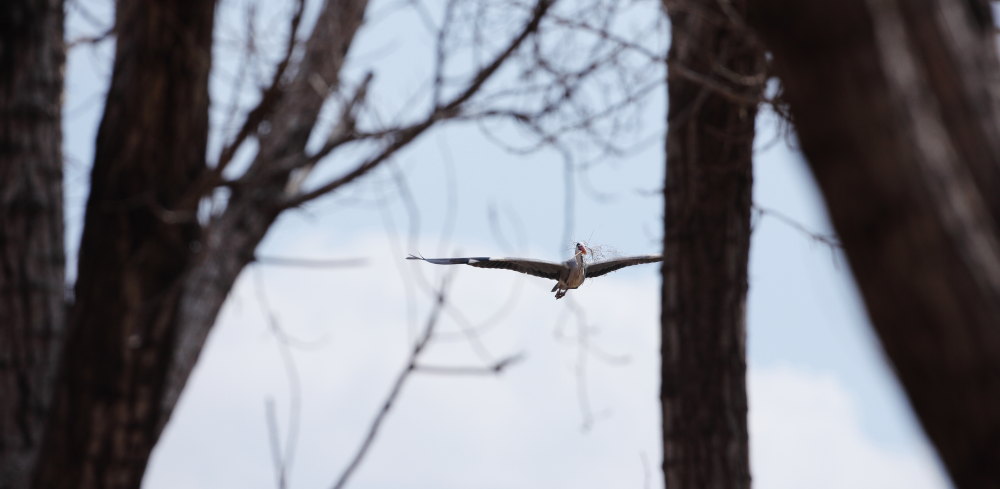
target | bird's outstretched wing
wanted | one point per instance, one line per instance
(537, 268)
(603, 267)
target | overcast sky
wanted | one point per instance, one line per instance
(581, 408)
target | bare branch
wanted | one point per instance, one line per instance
(439, 53)
(550, 137)
(442, 112)
(828, 240)
(89, 40)
(585, 350)
(716, 87)
(268, 97)
(344, 132)
(310, 263)
(248, 51)
(274, 442)
(397, 387)
(531, 27)
(283, 458)
(473, 332)
(496, 368)
(92, 18)
(607, 35)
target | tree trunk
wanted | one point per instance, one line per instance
(32, 261)
(152, 279)
(135, 247)
(714, 79)
(895, 106)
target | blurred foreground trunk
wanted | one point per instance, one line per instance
(136, 244)
(714, 80)
(32, 262)
(895, 104)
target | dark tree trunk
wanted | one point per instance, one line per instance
(715, 77)
(895, 106)
(32, 262)
(151, 278)
(136, 245)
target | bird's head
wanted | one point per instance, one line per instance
(580, 249)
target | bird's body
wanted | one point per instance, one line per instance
(568, 275)
(575, 274)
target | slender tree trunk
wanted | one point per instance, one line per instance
(715, 77)
(136, 245)
(32, 262)
(895, 106)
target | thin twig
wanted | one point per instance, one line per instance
(310, 263)
(248, 52)
(440, 53)
(473, 332)
(268, 96)
(585, 350)
(397, 387)
(677, 70)
(275, 442)
(90, 40)
(282, 458)
(442, 112)
(825, 239)
(645, 469)
(451, 194)
(496, 368)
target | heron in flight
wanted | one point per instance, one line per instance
(569, 274)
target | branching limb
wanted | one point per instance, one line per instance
(283, 456)
(825, 239)
(268, 97)
(497, 368)
(413, 365)
(345, 132)
(90, 40)
(397, 387)
(309, 263)
(274, 443)
(722, 89)
(404, 136)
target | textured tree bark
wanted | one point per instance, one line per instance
(135, 247)
(895, 104)
(715, 76)
(32, 262)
